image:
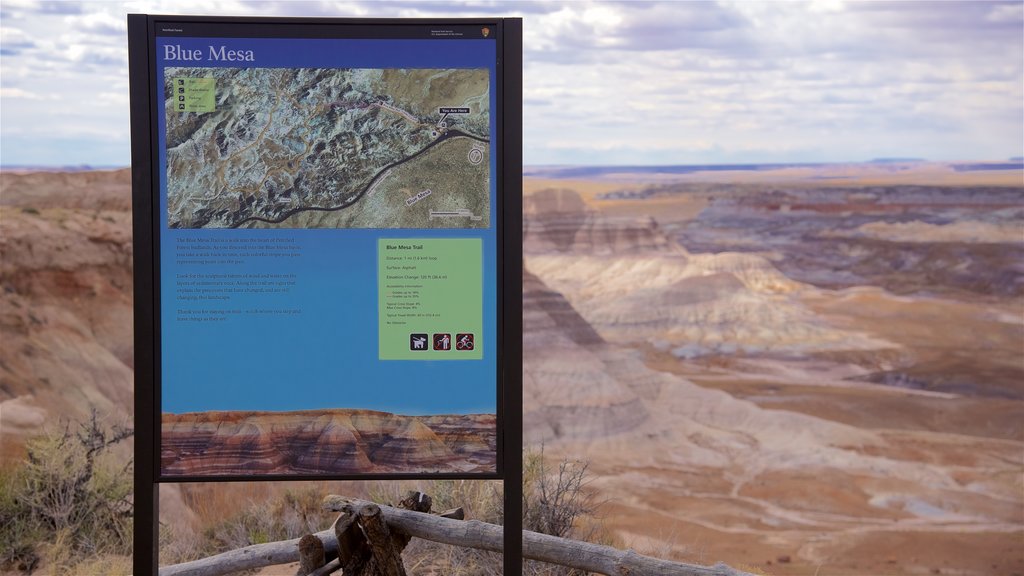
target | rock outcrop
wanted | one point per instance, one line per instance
(557, 221)
(314, 442)
(632, 283)
(568, 389)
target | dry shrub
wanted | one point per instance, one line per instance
(226, 516)
(69, 503)
(104, 566)
(293, 514)
(555, 502)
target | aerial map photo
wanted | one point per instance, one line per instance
(327, 148)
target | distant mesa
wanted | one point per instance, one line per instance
(333, 441)
(65, 168)
(974, 166)
(586, 172)
(896, 160)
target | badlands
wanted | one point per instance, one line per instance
(793, 372)
(791, 378)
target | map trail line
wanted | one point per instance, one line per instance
(446, 136)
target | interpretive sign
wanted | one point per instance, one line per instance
(326, 212)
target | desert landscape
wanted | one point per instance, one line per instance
(798, 371)
(813, 370)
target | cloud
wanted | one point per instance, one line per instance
(44, 7)
(14, 41)
(18, 93)
(1009, 12)
(630, 82)
(99, 23)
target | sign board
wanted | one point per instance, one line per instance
(328, 248)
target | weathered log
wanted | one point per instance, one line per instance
(335, 503)
(255, 556)
(387, 561)
(311, 554)
(329, 568)
(610, 561)
(550, 549)
(471, 533)
(454, 514)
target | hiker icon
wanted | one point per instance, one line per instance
(442, 341)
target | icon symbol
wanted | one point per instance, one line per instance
(486, 32)
(442, 341)
(181, 106)
(181, 82)
(181, 98)
(464, 342)
(181, 90)
(417, 341)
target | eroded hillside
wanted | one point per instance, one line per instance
(66, 303)
(732, 411)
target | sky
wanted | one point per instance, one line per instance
(609, 83)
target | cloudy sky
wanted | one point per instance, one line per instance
(610, 82)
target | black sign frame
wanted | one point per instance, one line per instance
(142, 32)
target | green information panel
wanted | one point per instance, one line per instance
(195, 94)
(430, 298)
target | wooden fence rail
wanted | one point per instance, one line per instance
(382, 531)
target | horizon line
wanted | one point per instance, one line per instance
(895, 160)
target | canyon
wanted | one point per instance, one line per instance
(740, 394)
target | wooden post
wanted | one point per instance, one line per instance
(352, 549)
(366, 546)
(311, 554)
(416, 501)
(386, 560)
